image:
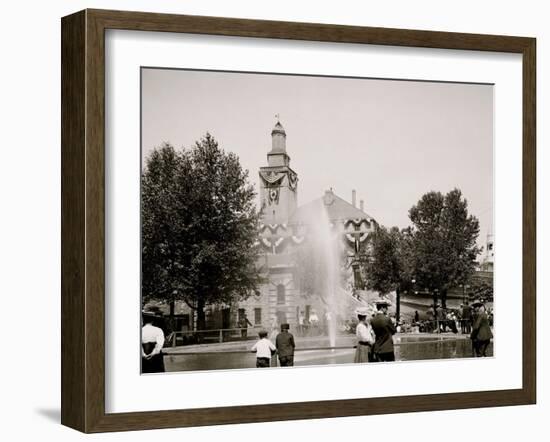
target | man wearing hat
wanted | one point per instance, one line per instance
(466, 318)
(365, 337)
(383, 330)
(481, 331)
(285, 346)
(152, 341)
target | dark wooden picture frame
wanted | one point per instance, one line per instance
(83, 220)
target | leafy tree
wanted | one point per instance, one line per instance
(199, 227)
(480, 289)
(389, 265)
(443, 241)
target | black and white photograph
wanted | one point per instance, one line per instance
(303, 220)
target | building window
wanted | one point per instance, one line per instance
(257, 316)
(281, 299)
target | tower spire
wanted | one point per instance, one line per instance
(278, 137)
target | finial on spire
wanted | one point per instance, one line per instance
(278, 118)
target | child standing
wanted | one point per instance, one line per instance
(264, 350)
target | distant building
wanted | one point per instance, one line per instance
(488, 261)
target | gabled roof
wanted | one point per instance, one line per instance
(337, 208)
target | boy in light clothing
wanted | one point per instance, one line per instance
(264, 349)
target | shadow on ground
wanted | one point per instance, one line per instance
(51, 414)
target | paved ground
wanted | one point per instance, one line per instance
(234, 355)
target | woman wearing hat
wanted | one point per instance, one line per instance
(481, 331)
(365, 337)
(152, 341)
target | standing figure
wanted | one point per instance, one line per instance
(365, 338)
(441, 319)
(383, 330)
(243, 325)
(481, 331)
(264, 349)
(301, 322)
(314, 323)
(285, 346)
(466, 319)
(152, 341)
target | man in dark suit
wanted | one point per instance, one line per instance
(383, 330)
(481, 331)
(285, 346)
(466, 319)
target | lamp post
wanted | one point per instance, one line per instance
(397, 305)
(436, 313)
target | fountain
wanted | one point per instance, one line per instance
(326, 261)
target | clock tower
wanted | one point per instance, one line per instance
(278, 182)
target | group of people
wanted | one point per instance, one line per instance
(375, 338)
(442, 320)
(284, 348)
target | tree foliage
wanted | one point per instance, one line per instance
(438, 251)
(444, 239)
(387, 268)
(480, 289)
(199, 227)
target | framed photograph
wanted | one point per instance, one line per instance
(267, 221)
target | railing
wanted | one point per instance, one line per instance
(218, 335)
(441, 325)
(193, 337)
(302, 349)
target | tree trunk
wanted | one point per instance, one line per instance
(444, 298)
(171, 321)
(434, 294)
(397, 305)
(172, 308)
(201, 318)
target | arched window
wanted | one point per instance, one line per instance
(281, 298)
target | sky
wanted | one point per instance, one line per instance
(390, 140)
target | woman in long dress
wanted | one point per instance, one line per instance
(365, 338)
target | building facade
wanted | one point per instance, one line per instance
(285, 228)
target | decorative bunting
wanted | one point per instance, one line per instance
(353, 237)
(292, 180)
(271, 177)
